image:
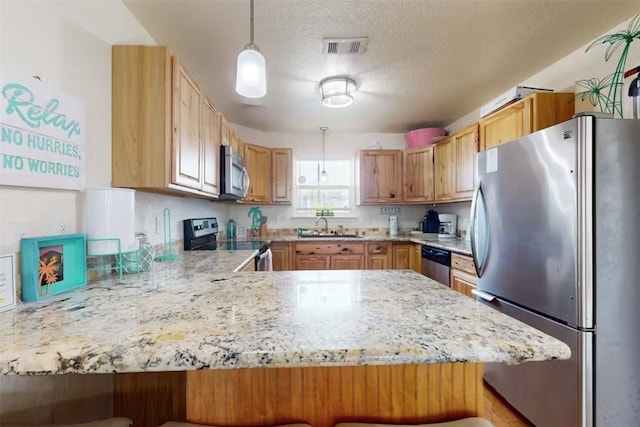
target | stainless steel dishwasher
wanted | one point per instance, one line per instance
(436, 264)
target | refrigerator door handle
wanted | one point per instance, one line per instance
(478, 195)
(484, 295)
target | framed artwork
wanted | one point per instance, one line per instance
(7, 282)
(52, 265)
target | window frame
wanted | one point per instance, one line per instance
(311, 212)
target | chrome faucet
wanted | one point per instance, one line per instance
(326, 223)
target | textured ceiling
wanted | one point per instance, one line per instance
(428, 62)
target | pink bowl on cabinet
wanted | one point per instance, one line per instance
(421, 137)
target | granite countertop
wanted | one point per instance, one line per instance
(454, 245)
(194, 313)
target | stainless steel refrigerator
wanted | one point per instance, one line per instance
(555, 228)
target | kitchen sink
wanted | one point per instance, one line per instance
(322, 235)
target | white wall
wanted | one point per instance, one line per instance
(562, 75)
(338, 146)
(68, 44)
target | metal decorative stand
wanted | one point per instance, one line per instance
(128, 262)
(169, 251)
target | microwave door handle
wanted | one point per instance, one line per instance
(246, 182)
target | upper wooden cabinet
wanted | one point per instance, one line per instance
(455, 165)
(236, 143)
(210, 146)
(258, 160)
(466, 149)
(281, 169)
(225, 131)
(380, 176)
(187, 144)
(417, 165)
(157, 124)
(444, 166)
(533, 113)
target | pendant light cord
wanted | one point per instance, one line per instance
(323, 129)
(251, 31)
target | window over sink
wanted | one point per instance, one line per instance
(336, 193)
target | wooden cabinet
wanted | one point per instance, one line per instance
(379, 174)
(250, 267)
(466, 148)
(402, 259)
(187, 145)
(417, 171)
(258, 160)
(210, 144)
(312, 262)
(235, 142)
(455, 165)
(327, 255)
(225, 131)
(463, 283)
(157, 124)
(531, 114)
(347, 262)
(281, 168)
(463, 275)
(379, 255)
(444, 166)
(281, 256)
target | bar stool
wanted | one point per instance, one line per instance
(465, 422)
(109, 422)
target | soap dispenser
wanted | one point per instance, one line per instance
(231, 229)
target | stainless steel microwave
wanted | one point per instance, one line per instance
(234, 179)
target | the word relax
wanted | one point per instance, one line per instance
(20, 101)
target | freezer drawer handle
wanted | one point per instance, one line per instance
(482, 294)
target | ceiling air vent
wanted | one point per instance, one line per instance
(351, 46)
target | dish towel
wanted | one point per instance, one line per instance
(266, 261)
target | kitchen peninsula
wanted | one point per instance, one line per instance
(190, 341)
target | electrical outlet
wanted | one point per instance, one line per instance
(158, 225)
(390, 210)
(62, 226)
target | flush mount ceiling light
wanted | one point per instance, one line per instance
(337, 92)
(251, 71)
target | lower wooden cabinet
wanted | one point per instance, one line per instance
(402, 256)
(347, 262)
(313, 262)
(327, 255)
(463, 275)
(379, 256)
(281, 256)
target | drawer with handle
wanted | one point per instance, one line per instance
(463, 263)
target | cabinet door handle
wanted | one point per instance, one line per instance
(393, 195)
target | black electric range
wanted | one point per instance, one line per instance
(200, 235)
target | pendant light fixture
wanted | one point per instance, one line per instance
(251, 72)
(323, 175)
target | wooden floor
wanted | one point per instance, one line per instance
(499, 412)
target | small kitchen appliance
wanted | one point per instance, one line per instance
(448, 226)
(234, 179)
(431, 222)
(393, 225)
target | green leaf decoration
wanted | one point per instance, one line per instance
(612, 102)
(256, 215)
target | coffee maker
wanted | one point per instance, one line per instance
(448, 226)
